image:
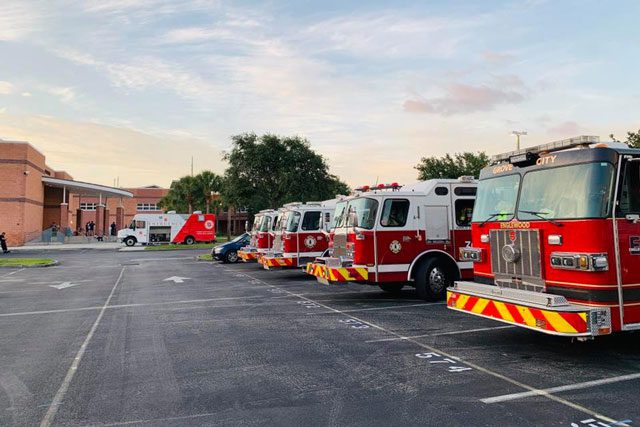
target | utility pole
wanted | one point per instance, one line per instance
(518, 134)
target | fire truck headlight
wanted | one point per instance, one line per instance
(471, 254)
(577, 261)
(600, 263)
(484, 238)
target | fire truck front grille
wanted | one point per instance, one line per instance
(515, 259)
(339, 245)
(277, 243)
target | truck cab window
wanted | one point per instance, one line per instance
(394, 213)
(630, 197)
(140, 224)
(464, 212)
(311, 221)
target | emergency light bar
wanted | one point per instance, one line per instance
(524, 154)
(392, 186)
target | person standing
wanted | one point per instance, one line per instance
(3, 243)
(113, 229)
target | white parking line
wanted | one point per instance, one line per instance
(388, 307)
(69, 310)
(437, 334)
(57, 399)
(13, 272)
(578, 386)
(479, 368)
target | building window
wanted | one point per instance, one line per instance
(87, 206)
(148, 207)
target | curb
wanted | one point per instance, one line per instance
(51, 264)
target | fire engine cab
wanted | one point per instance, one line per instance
(169, 228)
(300, 235)
(391, 235)
(556, 240)
(264, 224)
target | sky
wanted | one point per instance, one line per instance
(134, 88)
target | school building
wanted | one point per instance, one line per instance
(34, 197)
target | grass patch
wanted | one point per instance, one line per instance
(174, 247)
(205, 257)
(20, 262)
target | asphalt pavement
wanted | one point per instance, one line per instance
(157, 338)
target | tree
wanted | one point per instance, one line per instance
(633, 139)
(452, 167)
(191, 193)
(268, 171)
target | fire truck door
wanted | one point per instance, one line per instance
(629, 240)
(396, 235)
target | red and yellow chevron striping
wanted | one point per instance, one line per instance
(555, 322)
(337, 274)
(247, 256)
(275, 262)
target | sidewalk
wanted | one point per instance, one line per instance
(69, 247)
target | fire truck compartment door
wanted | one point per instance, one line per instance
(437, 222)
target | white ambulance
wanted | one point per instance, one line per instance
(169, 228)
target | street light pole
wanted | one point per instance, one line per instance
(518, 134)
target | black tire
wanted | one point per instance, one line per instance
(392, 288)
(189, 240)
(432, 279)
(231, 257)
(130, 241)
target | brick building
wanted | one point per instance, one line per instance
(34, 196)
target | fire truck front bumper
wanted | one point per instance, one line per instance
(334, 271)
(248, 254)
(273, 261)
(551, 314)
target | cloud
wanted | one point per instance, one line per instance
(460, 98)
(147, 72)
(17, 19)
(63, 142)
(65, 94)
(26, 94)
(566, 129)
(390, 34)
(496, 57)
(6, 88)
(196, 34)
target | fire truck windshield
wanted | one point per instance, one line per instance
(256, 223)
(265, 224)
(496, 198)
(567, 192)
(360, 212)
(338, 214)
(293, 219)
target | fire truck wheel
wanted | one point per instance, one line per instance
(231, 257)
(432, 279)
(130, 241)
(189, 240)
(392, 288)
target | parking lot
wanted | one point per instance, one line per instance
(158, 338)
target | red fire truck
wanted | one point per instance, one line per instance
(556, 235)
(391, 235)
(264, 224)
(301, 234)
